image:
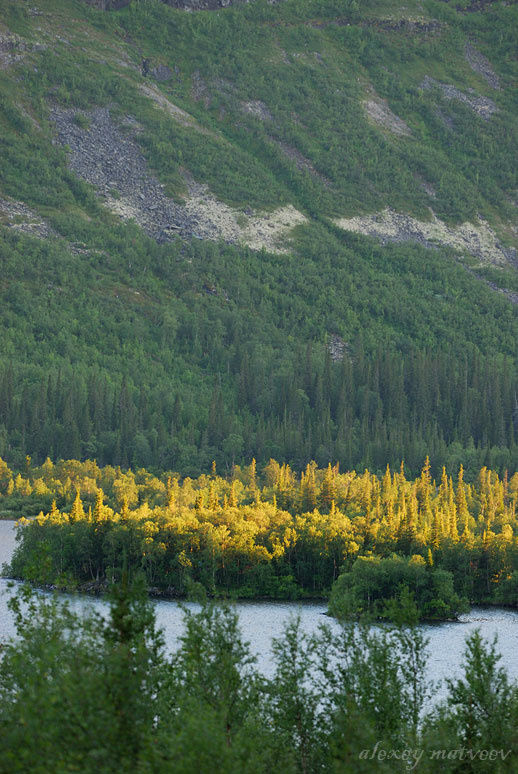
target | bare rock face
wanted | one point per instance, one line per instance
(14, 48)
(17, 216)
(378, 110)
(105, 153)
(481, 65)
(109, 158)
(482, 106)
(476, 239)
(159, 72)
(337, 347)
(258, 109)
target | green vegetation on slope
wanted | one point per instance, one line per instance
(311, 64)
(127, 355)
(172, 355)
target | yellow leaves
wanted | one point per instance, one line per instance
(277, 549)
(351, 549)
(149, 529)
(39, 487)
(507, 533)
(220, 533)
(355, 513)
(272, 473)
(261, 553)
(183, 520)
(22, 486)
(289, 538)
(183, 560)
(125, 488)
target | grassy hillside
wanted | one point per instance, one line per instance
(248, 146)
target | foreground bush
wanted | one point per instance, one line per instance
(99, 694)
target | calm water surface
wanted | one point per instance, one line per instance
(260, 621)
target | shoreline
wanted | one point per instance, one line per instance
(100, 589)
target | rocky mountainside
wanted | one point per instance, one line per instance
(207, 197)
(184, 5)
(191, 5)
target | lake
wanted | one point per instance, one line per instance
(260, 621)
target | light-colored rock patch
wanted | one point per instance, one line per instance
(482, 106)
(19, 217)
(427, 188)
(337, 347)
(481, 65)
(258, 109)
(257, 230)
(378, 111)
(101, 153)
(272, 230)
(475, 239)
(126, 209)
(215, 220)
(13, 49)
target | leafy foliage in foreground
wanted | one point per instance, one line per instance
(101, 695)
(273, 534)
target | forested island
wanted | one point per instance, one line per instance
(270, 533)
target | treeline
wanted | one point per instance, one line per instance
(363, 411)
(103, 695)
(267, 534)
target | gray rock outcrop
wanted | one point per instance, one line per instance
(187, 5)
(106, 155)
(482, 106)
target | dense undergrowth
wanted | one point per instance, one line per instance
(160, 371)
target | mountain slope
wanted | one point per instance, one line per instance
(247, 146)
